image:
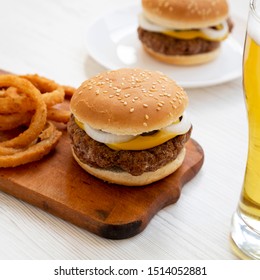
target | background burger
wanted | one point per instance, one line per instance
(184, 32)
(129, 126)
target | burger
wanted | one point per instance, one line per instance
(129, 126)
(185, 32)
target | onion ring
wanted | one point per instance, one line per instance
(52, 93)
(11, 121)
(58, 115)
(39, 118)
(13, 102)
(50, 137)
(24, 100)
(14, 120)
(69, 91)
(45, 134)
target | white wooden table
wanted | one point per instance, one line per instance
(47, 37)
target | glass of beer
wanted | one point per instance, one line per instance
(245, 233)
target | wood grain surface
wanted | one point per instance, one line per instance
(59, 186)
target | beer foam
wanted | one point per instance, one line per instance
(253, 27)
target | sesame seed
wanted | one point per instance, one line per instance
(111, 95)
(145, 105)
(164, 78)
(147, 117)
(125, 103)
(132, 110)
(90, 87)
(118, 90)
(144, 124)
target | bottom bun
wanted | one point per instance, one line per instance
(184, 59)
(124, 178)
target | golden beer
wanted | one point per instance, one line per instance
(245, 232)
(250, 198)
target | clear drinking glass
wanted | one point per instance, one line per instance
(245, 233)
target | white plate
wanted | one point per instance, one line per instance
(113, 42)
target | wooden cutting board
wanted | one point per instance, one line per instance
(59, 186)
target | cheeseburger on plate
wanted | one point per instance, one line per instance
(184, 32)
(129, 126)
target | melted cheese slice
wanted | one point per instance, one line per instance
(191, 34)
(79, 123)
(144, 142)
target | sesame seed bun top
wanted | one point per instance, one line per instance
(129, 101)
(185, 14)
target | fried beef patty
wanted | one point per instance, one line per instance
(99, 155)
(168, 45)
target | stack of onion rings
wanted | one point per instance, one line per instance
(29, 100)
